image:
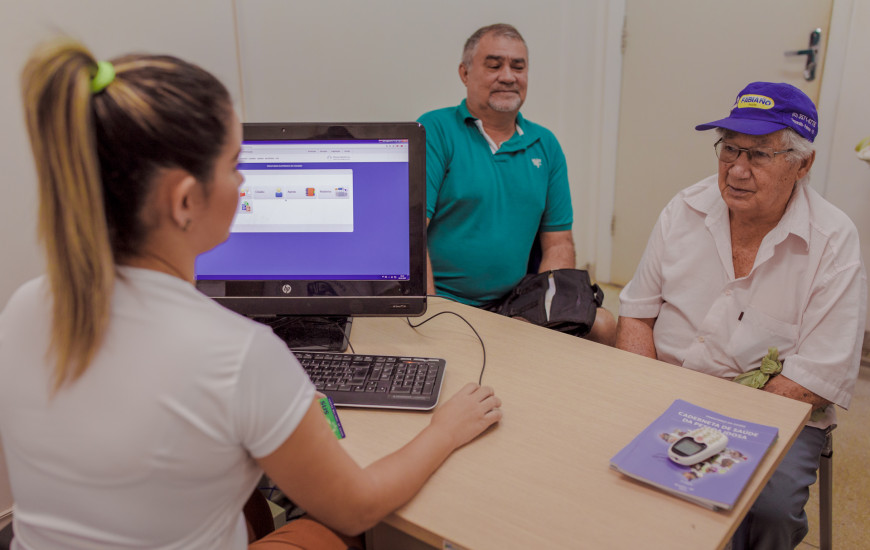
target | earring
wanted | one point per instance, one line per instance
(186, 225)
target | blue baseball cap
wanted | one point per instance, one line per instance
(766, 107)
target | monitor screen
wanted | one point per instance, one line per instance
(331, 221)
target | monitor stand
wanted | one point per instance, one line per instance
(311, 332)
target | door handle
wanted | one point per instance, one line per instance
(811, 52)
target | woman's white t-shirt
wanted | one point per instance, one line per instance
(154, 446)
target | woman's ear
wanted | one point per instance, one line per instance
(185, 196)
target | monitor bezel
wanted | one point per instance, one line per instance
(406, 298)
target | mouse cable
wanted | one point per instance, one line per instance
(482, 346)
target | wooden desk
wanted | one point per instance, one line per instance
(541, 478)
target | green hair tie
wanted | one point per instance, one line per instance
(105, 75)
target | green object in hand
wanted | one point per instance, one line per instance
(757, 378)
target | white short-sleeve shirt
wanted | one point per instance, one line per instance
(154, 446)
(806, 295)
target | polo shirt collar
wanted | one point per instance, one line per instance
(522, 139)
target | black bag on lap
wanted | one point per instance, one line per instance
(571, 309)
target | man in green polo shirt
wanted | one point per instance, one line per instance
(495, 182)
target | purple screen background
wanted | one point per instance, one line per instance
(378, 247)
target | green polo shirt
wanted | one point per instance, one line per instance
(485, 209)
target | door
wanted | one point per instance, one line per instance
(684, 62)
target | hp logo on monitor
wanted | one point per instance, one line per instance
(286, 289)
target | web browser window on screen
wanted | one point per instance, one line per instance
(330, 210)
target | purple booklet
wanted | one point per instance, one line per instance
(715, 482)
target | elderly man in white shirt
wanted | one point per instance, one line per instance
(749, 259)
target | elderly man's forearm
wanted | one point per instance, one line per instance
(636, 336)
(785, 387)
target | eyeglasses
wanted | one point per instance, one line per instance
(757, 156)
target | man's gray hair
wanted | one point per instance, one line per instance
(803, 147)
(499, 29)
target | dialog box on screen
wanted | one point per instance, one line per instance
(295, 201)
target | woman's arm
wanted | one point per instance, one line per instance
(318, 474)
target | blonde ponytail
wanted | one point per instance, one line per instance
(71, 224)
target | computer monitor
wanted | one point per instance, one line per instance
(331, 224)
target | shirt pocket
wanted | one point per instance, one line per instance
(755, 333)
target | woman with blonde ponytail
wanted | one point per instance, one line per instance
(134, 411)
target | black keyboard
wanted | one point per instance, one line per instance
(381, 381)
